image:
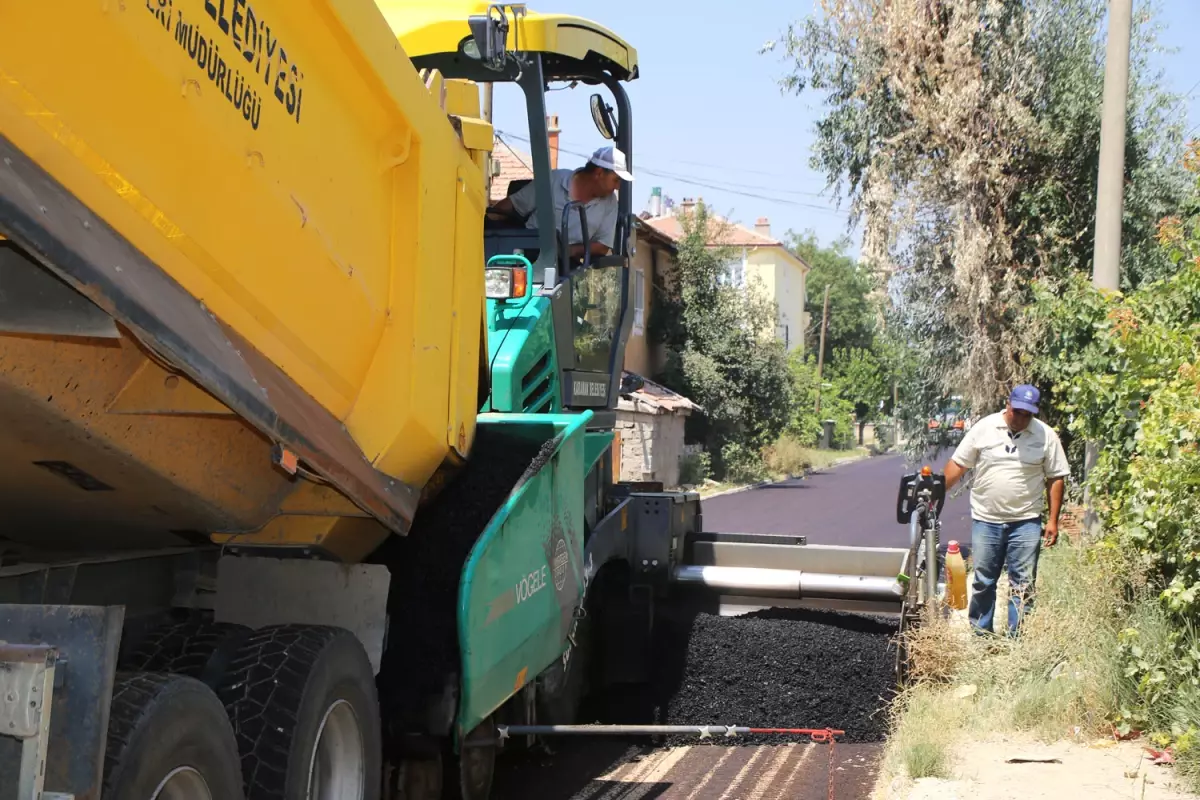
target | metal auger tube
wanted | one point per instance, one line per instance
(790, 583)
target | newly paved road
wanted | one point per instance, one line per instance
(852, 504)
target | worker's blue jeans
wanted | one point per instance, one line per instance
(993, 544)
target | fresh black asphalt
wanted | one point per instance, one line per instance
(851, 504)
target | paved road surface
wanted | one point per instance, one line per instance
(853, 504)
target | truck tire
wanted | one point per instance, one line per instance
(169, 739)
(418, 778)
(469, 774)
(305, 713)
(195, 648)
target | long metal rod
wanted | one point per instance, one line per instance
(703, 731)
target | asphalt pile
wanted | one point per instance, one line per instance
(781, 668)
(422, 654)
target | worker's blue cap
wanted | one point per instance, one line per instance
(1025, 398)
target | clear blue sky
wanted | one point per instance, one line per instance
(707, 107)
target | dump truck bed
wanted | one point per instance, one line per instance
(241, 236)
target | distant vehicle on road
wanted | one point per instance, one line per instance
(950, 422)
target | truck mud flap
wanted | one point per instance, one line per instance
(85, 640)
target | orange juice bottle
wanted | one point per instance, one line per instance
(956, 577)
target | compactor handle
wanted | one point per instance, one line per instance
(911, 486)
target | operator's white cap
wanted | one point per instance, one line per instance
(614, 159)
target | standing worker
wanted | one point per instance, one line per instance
(1018, 460)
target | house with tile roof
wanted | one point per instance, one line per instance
(759, 259)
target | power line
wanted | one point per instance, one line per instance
(780, 200)
(746, 186)
(1183, 98)
(719, 183)
(513, 150)
(727, 168)
(703, 184)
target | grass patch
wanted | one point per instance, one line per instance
(1187, 767)
(789, 457)
(786, 458)
(1160, 686)
(1062, 676)
(1095, 653)
(923, 734)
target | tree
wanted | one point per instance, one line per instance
(806, 423)
(862, 378)
(852, 315)
(964, 134)
(1125, 368)
(721, 351)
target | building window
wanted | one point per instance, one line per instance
(639, 302)
(734, 273)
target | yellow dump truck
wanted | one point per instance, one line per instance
(244, 337)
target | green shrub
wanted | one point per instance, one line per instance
(788, 456)
(805, 425)
(695, 469)
(742, 464)
(1125, 372)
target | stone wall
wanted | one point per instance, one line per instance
(651, 446)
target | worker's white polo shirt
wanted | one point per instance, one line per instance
(1011, 469)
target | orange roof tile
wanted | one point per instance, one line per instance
(657, 399)
(721, 231)
(514, 166)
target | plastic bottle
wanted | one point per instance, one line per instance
(956, 577)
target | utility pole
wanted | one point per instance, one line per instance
(821, 352)
(1110, 185)
(895, 413)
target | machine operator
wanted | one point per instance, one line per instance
(594, 185)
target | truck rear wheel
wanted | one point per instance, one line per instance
(469, 776)
(195, 648)
(305, 712)
(169, 739)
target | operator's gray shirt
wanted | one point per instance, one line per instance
(601, 212)
(1011, 469)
